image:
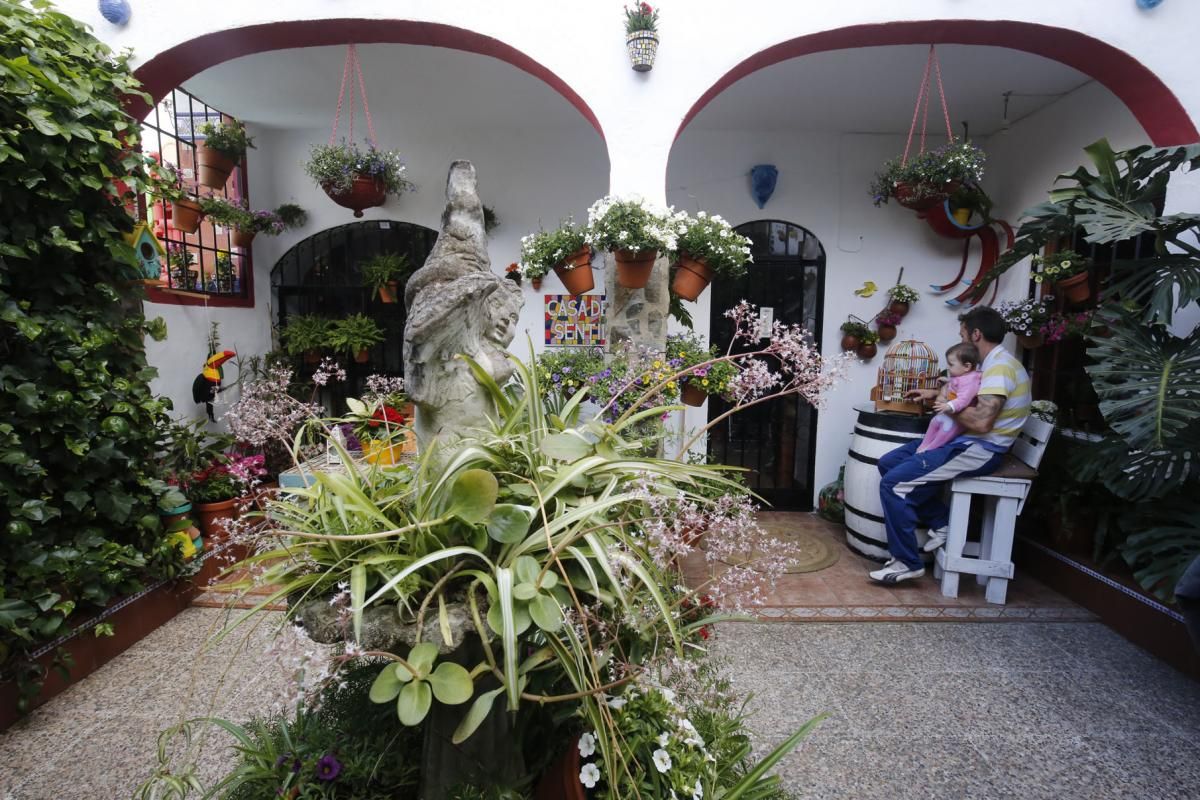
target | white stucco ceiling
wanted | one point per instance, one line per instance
(873, 90)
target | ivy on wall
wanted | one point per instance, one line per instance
(78, 422)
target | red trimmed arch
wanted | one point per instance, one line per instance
(1153, 104)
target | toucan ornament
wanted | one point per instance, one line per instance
(208, 383)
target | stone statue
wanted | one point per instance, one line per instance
(457, 305)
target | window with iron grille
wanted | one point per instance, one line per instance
(204, 264)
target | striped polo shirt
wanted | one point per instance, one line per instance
(1003, 375)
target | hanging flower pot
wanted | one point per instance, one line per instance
(389, 291)
(642, 47)
(186, 215)
(1075, 288)
(886, 332)
(213, 166)
(243, 239)
(693, 395)
(850, 342)
(692, 277)
(1030, 341)
(899, 308)
(536, 283)
(364, 192)
(575, 271)
(634, 267)
(362, 356)
(924, 196)
(867, 350)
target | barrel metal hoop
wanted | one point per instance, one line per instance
(887, 437)
(864, 459)
(860, 513)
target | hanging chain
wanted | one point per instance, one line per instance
(350, 69)
(923, 94)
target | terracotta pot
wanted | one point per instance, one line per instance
(312, 356)
(905, 191)
(1075, 288)
(243, 239)
(867, 351)
(561, 779)
(536, 283)
(692, 277)
(1030, 342)
(898, 308)
(693, 395)
(186, 215)
(850, 342)
(887, 332)
(575, 271)
(213, 166)
(362, 356)
(213, 518)
(366, 192)
(389, 291)
(634, 267)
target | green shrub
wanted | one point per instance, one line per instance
(79, 486)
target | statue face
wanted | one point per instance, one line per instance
(504, 324)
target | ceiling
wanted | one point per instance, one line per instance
(298, 88)
(873, 90)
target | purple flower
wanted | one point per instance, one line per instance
(328, 768)
(283, 759)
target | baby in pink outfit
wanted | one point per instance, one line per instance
(959, 392)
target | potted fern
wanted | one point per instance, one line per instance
(355, 334)
(382, 273)
(218, 154)
(306, 335)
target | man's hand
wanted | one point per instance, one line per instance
(980, 418)
(921, 394)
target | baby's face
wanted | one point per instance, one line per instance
(956, 367)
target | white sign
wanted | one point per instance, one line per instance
(766, 318)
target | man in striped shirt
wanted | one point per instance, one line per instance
(911, 485)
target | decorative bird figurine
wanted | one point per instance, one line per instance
(868, 289)
(207, 384)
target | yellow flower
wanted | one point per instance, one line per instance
(657, 364)
(671, 386)
(704, 382)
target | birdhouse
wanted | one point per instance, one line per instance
(908, 365)
(150, 254)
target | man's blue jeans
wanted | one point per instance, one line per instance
(910, 490)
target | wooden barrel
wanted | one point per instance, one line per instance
(876, 433)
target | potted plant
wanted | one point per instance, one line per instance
(565, 250)
(218, 154)
(382, 273)
(886, 324)
(970, 199)
(382, 429)
(1025, 319)
(245, 223)
(355, 334)
(854, 333)
(180, 260)
(1058, 327)
(513, 273)
(1068, 270)
(706, 375)
(635, 232)
(707, 247)
(225, 270)
(928, 178)
(867, 345)
(902, 297)
(355, 177)
(186, 212)
(305, 334)
(641, 35)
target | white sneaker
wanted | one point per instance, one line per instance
(895, 571)
(937, 538)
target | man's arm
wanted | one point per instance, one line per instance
(981, 417)
(921, 394)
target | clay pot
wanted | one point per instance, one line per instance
(362, 356)
(389, 291)
(867, 351)
(887, 332)
(693, 395)
(560, 781)
(905, 191)
(850, 342)
(536, 283)
(312, 356)
(634, 267)
(213, 517)
(1076, 288)
(366, 192)
(692, 277)
(213, 166)
(243, 239)
(898, 308)
(575, 271)
(1030, 342)
(186, 215)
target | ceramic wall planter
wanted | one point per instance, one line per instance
(850, 342)
(887, 332)
(642, 47)
(692, 277)
(213, 166)
(634, 267)
(365, 192)
(576, 272)
(899, 308)
(693, 395)
(867, 351)
(243, 239)
(1076, 288)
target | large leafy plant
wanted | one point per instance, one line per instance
(79, 486)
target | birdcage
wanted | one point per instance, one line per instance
(908, 365)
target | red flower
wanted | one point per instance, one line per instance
(512, 267)
(646, 9)
(386, 414)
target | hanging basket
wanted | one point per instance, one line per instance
(186, 215)
(693, 395)
(692, 277)
(213, 166)
(931, 196)
(886, 332)
(642, 47)
(365, 192)
(243, 239)
(634, 267)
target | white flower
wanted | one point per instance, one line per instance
(697, 792)
(589, 776)
(663, 738)
(587, 745)
(616, 703)
(662, 760)
(667, 693)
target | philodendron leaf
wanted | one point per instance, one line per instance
(509, 523)
(476, 715)
(566, 446)
(546, 613)
(387, 685)
(421, 657)
(473, 495)
(414, 702)
(451, 684)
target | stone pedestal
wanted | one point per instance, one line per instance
(637, 315)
